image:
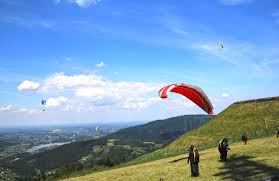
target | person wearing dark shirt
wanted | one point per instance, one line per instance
(223, 148)
(193, 158)
(244, 138)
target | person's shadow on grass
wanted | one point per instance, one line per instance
(244, 168)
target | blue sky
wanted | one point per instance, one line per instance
(103, 60)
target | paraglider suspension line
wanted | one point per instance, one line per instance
(184, 123)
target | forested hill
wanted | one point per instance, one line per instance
(161, 130)
(121, 146)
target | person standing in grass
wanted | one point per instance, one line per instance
(194, 159)
(277, 132)
(245, 138)
(223, 148)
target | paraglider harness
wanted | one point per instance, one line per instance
(194, 159)
(223, 148)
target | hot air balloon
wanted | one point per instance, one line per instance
(192, 92)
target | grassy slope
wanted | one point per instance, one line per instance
(232, 122)
(250, 116)
(255, 161)
(237, 118)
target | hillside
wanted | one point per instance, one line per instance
(259, 117)
(254, 161)
(161, 130)
(121, 146)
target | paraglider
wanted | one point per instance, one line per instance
(193, 93)
(97, 129)
(43, 102)
(221, 45)
(197, 96)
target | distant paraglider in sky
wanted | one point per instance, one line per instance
(221, 46)
(43, 102)
(193, 93)
(97, 130)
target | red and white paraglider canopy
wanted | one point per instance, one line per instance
(194, 93)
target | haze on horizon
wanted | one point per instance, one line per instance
(104, 61)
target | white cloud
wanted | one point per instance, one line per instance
(54, 102)
(28, 86)
(98, 90)
(59, 81)
(13, 109)
(6, 108)
(100, 65)
(225, 95)
(235, 2)
(231, 53)
(271, 61)
(27, 110)
(96, 93)
(139, 103)
(265, 67)
(91, 92)
(245, 55)
(80, 3)
(122, 94)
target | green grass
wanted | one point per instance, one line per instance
(255, 161)
(258, 119)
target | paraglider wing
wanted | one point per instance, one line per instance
(194, 93)
(97, 128)
(163, 92)
(43, 102)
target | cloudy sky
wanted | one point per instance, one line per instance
(105, 60)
